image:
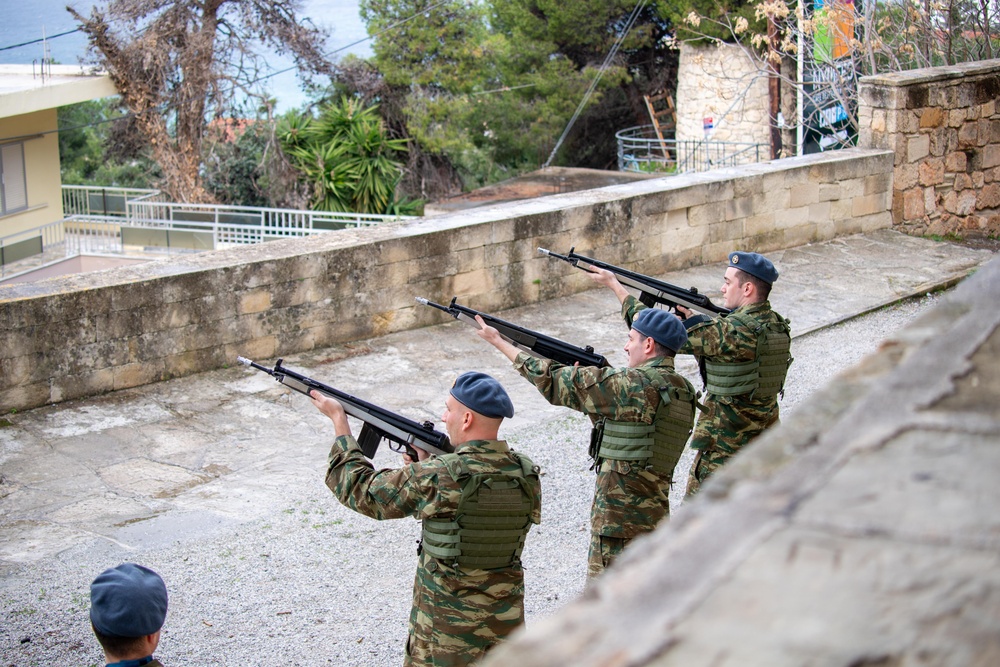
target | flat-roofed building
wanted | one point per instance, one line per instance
(30, 182)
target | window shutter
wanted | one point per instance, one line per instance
(15, 191)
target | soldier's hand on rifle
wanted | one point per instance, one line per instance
(493, 337)
(683, 312)
(488, 333)
(421, 456)
(332, 408)
(609, 280)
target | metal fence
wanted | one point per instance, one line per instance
(87, 200)
(149, 208)
(248, 224)
(31, 247)
(640, 150)
(135, 221)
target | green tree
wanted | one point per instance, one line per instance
(427, 175)
(347, 156)
(491, 84)
(90, 150)
(564, 45)
(245, 166)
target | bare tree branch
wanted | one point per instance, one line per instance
(179, 63)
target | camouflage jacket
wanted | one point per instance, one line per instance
(728, 422)
(458, 613)
(628, 499)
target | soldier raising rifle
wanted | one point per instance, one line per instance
(476, 505)
(744, 357)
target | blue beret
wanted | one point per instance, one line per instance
(128, 601)
(663, 327)
(481, 393)
(754, 264)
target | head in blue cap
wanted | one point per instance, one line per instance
(663, 328)
(475, 407)
(128, 605)
(483, 394)
(749, 277)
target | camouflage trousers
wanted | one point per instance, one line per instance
(459, 614)
(721, 431)
(629, 500)
(603, 551)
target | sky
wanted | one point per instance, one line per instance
(32, 19)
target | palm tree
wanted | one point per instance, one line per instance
(346, 155)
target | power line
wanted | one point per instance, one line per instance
(130, 114)
(503, 89)
(593, 85)
(36, 41)
(360, 41)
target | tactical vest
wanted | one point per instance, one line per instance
(492, 519)
(659, 444)
(764, 377)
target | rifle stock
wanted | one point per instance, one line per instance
(652, 291)
(379, 423)
(530, 341)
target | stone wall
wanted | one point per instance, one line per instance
(728, 84)
(76, 336)
(724, 82)
(943, 124)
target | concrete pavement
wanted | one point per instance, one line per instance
(860, 532)
(229, 452)
(94, 469)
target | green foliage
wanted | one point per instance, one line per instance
(234, 170)
(438, 51)
(346, 155)
(85, 140)
(492, 84)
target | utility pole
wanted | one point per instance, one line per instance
(774, 85)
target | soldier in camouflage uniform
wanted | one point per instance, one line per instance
(468, 593)
(744, 358)
(643, 415)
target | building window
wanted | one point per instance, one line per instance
(13, 188)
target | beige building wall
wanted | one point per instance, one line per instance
(41, 167)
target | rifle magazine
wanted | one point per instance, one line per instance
(369, 440)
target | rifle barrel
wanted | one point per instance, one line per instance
(387, 424)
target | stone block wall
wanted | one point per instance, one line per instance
(75, 336)
(943, 125)
(724, 82)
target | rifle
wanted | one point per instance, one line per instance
(402, 433)
(530, 341)
(653, 291)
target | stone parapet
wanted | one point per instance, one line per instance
(76, 336)
(943, 124)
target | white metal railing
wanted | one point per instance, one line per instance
(113, 220)
(93, 234)
(51, 237)
(149, 207)
(272, 222)
(89, 200)
(639, 149)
